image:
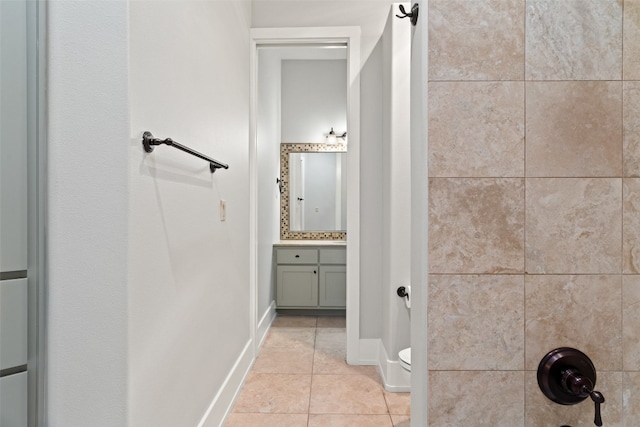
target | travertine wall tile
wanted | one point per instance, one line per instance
(476, 129)
(582, 312)
(574, 129)
(631, 324)
(631, 225)
(476, 398)
(544, 412)
(573, 225)
(631, 120)
(631, 40)
(476, 225)
(574, 40)
(476, 40)
(631, 399)
(482, 317)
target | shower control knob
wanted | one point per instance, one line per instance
(567, 376)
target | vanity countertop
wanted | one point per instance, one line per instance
(310, 243)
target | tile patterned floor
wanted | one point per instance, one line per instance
(301, 379)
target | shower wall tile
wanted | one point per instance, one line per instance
(574, 311)
(481, 317)
(540, 411)
(631, 225)
(479, 399)
(631, 40)
(631, 324)
(476, 129)
(476, 40)
(574, 129)
(631, 399)
(534, 243)
(573, 225)
(476, 225)
(631, 121)
(574, 40)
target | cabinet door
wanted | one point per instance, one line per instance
(297, 286)
(333, 286)
(13, 389)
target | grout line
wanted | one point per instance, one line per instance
(313, 358)
(524, 225)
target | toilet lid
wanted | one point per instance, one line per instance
(405, 355)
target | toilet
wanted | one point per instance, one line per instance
(405, 358)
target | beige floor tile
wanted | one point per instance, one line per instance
(398, 403)
(275, 393)
(267, 420)
(278, 360)
(349, 421)
(401, 420)
(290, 338)
(346, 394)
(331, 322)
(284, 321)
(333, 361)
(331, 338)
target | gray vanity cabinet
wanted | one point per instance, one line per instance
(311, 277)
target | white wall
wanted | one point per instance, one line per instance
(189, 271)
(371, 184)
(88, 160)
(314, 99)
(396, 171)
(369, 15)
(268, 153)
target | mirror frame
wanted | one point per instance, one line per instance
(285, 230)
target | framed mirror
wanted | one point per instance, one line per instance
(313, 197)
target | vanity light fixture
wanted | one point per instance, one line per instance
(332, 138)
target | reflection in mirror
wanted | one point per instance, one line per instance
(314, 196)
(317, 186)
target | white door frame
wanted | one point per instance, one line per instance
(314, 35)
(419, 218)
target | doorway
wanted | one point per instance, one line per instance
(260, 258)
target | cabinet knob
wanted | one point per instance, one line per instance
(297, 256)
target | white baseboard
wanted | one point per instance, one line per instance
(221, 404)
(265, 323)
(394, 377)
(223, 401)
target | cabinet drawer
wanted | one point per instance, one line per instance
(333, 256)
(297, 256)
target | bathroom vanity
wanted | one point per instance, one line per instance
(310, 276)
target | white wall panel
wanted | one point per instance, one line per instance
(13, 136)
(13, 323)
(13, 400)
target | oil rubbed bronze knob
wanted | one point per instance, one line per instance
(567, 376)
